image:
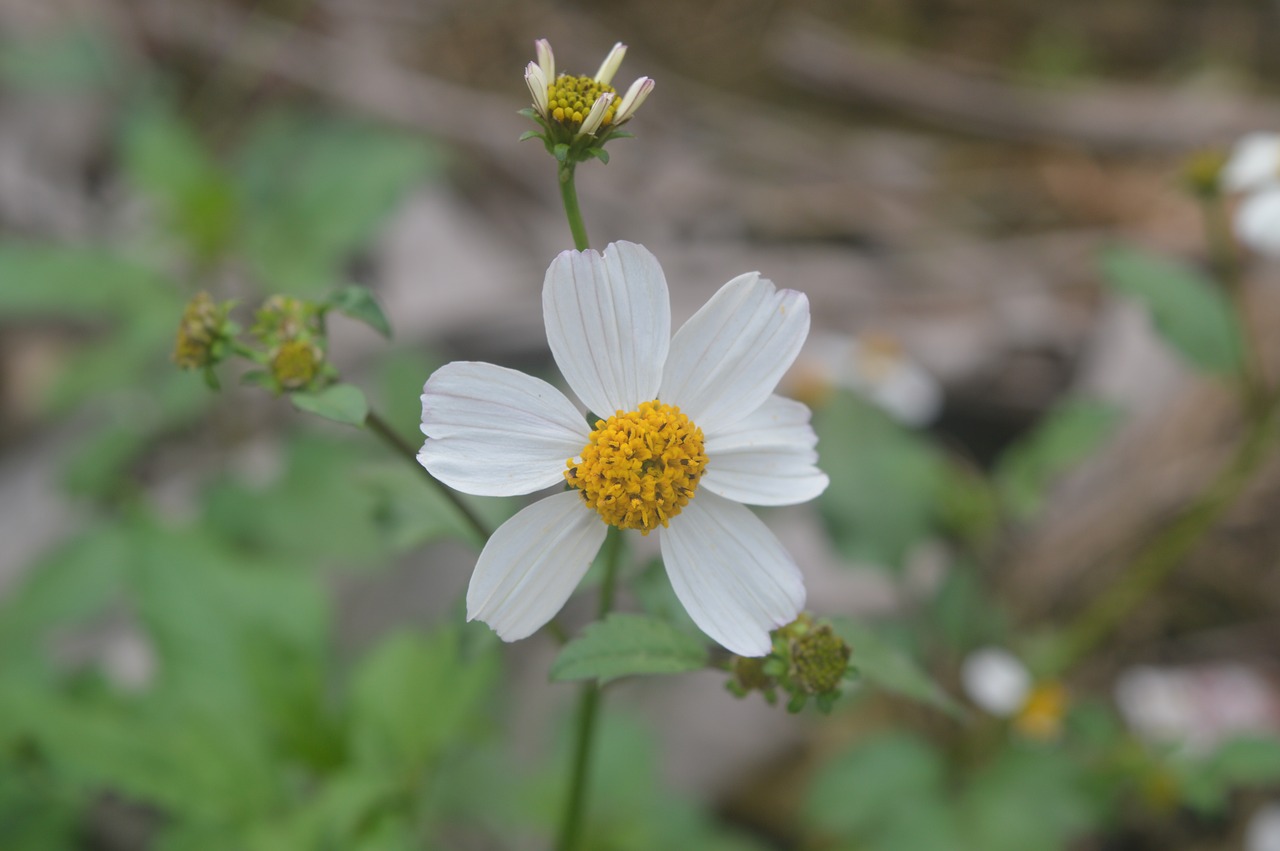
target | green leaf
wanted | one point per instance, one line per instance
(873, 785)
(887, 483)
(1027, 799)
(76, 59)
(359, 303)
(315, 190)
(1189, 311)
(165, 158)
(622, 645)
(343, 403)
(889, 667)
(86, 282)
(415, 695)
(1066, 436)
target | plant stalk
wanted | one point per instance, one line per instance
(383, 429)
(588, 710)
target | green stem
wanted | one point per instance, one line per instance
(569, 194)
(1154, 563)
(383, 429)
(588, 707)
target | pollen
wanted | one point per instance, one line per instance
(640, 468)
(569, 100)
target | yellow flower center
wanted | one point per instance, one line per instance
(640, 468)
(569, 99)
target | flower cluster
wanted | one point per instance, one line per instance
(688, 431)
(288, 341)
(1253, 170)
(579, 114)
(808, 660)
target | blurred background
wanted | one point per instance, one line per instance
(227, 624)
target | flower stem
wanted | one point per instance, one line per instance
(1154, 563)
(588, 707)
(383, 429)
(569, 194)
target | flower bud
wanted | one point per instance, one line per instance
(202, 333)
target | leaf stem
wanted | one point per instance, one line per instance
(383, 429)
(569, 194)
(588, 708)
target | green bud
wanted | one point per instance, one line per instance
(819, 659)
(295, 364)
(202, 333)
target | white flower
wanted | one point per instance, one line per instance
(1254, 169)
(692, 431)
(1254, 163)
(875, 367)
(1263, 832)
(582, 104)
(996, 681)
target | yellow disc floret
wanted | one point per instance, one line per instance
(569, 99)
(640, 468)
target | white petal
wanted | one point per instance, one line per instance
(608, 324)
(532, 564)
(537, 83)
(611, 62)
(1258, 221)
(995, 680)
(1263, 832)
(1254, 161)
(632, 99)
(729, 356)
(546, 59)
(595, 117)
(766, 458)
(731, 574)
(492, 431)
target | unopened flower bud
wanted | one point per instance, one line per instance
(295, 364)
(819, 660)
(201, 332)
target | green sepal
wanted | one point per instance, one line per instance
(342, 403)
(599, 153)
(529, 112)
(797, 702)
(211, 379)
(560, 152)
(531, 134)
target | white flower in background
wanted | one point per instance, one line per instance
(1197, 707)
(999, 683)
(872, 365)
(584, 105)
(1254, 170)
(691, 431)
(996, 681)
(1263, 831)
